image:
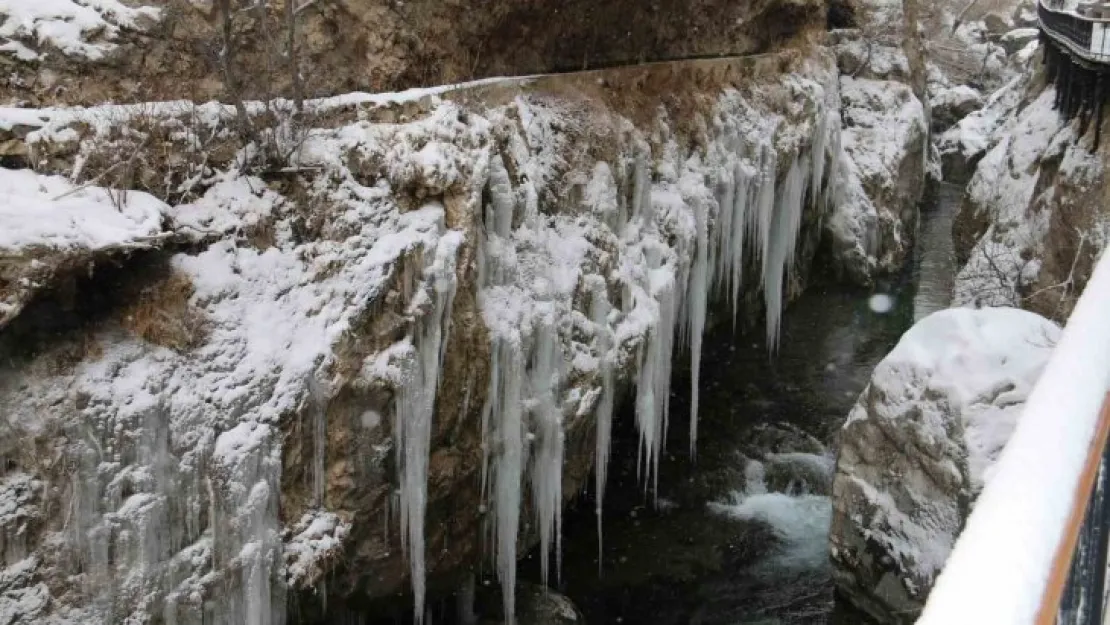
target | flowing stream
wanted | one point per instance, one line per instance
(738, 536)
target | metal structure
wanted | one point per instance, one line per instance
(1077, 61)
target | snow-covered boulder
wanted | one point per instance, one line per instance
(964, 144)
(952, 104)
(918, 447)
(871, 228)
(1015, 40)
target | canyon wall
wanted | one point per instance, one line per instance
(354, 359)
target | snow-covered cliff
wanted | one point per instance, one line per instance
(1033, 221)
(353, 364)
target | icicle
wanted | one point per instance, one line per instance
(499, 217)
(722, 239)
(547, 459)
(412, 427)
(742, 199)
(697, 296)
(641, 189)
(763, 216)
(508, 469)
(600, 313)
(654, 380)
(782, 239)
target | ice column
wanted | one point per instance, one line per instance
(547, 423)
(412, 428)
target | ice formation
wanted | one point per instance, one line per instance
(590, 274)
(683, 234)
(412, 428)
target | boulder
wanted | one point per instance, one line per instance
(950, 105)
(1016, 39)
(918, 447)
(539, 605)
(882, 179)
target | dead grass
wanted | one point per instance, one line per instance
(161, 314)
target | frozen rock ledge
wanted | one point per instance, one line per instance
(918, 448)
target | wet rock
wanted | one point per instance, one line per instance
(781, 438)
(539, 605)
(917, 446)
(798, 473)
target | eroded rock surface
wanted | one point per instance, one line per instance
(80, 52)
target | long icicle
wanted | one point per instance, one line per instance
(697, 300)
(600, 308)
(416, 408)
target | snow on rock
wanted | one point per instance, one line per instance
(952, 104)
(959, 52)
(918, 448)
(871, 228)
(317, 537)
(1033, 218)
(962, 145)
(81, 28)
(50, 212)
(400, 339)
(50, 227)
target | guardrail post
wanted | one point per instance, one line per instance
(1083, 602)
(1100, 94)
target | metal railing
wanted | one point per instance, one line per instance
(1034, 550)
(1083, 36)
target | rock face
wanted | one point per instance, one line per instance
(79, 52)
(918, 447)
(951, 105)
(1034, 219)
(871, 230)
(352, 353)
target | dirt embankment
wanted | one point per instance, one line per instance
(383, 45)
